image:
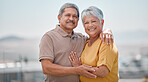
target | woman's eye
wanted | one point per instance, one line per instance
(86, 23)
(93, 21)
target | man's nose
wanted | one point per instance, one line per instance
(71, 17)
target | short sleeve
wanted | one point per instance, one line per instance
(46, 48)
(107, 55)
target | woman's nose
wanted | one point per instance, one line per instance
(90, 24)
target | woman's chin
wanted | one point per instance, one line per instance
(93, 35)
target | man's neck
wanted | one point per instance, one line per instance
(67, 30)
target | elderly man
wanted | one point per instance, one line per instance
(56, 45)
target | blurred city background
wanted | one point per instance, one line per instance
(23, 23)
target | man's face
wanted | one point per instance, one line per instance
(69, 19)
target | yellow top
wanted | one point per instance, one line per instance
(101, 54)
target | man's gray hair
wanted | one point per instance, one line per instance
(92, 10)
(68, 5)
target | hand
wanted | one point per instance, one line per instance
(106, 34)
(74, 59)
(86, 71)
(100, 71)
(95, 72)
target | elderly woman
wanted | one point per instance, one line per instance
(102, 57)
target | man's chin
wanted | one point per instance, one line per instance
(71, 27)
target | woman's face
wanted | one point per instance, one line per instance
(93, 26)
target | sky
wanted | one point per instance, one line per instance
(33, 18)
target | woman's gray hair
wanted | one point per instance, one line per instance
(92, 10)
(68, 5)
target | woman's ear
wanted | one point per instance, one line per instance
(102, 22)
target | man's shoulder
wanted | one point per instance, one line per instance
(50, 32)
(79, 34)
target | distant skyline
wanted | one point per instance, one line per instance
(32, 18)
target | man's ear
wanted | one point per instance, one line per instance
(59, 18)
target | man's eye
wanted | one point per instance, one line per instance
(75, 16)
(67, 15)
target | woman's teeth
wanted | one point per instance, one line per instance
(92, 29)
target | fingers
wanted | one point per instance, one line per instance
(102, 36)
(87, 71)
(87, 66)
(107, 39)
(76, 55)
(70, 59)
(112, 38)
(90, 69)
(73, 56)
(74, 59)
(90, 75)
(107, 36)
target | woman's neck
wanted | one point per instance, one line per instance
(92, 40)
